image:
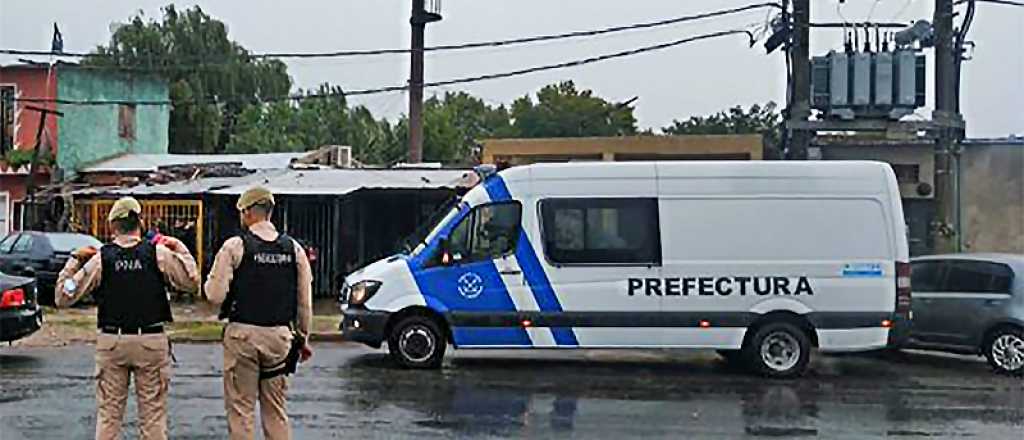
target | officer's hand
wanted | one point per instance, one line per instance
(172, 244)
(83, 254)
(305, 353)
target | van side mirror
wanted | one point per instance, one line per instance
(446, 255)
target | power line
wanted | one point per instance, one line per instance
(464, 80)
(373, 52)
(998, 2)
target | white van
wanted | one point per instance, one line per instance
(762, 261)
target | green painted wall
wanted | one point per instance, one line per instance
(88, 133)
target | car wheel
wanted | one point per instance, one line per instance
(417, 342)
(779, 349)
(1004, 350)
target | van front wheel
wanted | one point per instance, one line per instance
(779, 349)
(417, 342)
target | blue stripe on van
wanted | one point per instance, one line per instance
(538, 281)
(439, 288)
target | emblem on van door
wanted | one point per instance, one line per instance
(470, 285)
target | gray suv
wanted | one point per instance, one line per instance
(970, 304)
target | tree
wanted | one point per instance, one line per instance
(758, 119)
(323, 118)
(452, 125)
(563, 111)
(202, 65)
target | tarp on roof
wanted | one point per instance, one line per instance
(151, 162)
(301, 182)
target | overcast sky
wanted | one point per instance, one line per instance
(694, 79)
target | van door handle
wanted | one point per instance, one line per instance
(510, 272)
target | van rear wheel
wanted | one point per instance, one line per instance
(779, 349)
(1004, 350)
(417, 342)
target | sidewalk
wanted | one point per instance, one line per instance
(192, 323)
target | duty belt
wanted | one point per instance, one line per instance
(290, 362)
(147, 330)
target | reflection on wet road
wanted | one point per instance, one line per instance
(353, 392)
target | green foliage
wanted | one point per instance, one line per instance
(16, 158)
(452, 125)
(563, 111)
(757, 119)
(314, 122)
(188, 38)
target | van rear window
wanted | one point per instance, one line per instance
(601, 231)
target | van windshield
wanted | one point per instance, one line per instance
(452, 212)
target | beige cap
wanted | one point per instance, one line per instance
(123, 207)
(252, 196)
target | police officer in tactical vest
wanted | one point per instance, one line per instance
(264, 283)
(129, 279)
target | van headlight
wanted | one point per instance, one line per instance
(362, 291)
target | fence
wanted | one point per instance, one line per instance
(182, 219)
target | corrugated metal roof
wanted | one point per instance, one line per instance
(150, 162)
(344, 181)
(180, 188)
(301, 182)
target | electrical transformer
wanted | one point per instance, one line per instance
(868, 85)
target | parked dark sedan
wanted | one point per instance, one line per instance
(20, 314)
(40, 255)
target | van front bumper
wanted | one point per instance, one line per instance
(366, 326)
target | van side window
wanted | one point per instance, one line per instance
(926, 276)
(487, 232)
(978, 277)
(601, 231)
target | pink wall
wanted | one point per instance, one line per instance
(32, 82)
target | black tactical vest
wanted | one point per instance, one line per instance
(132, 291)
(264, 289)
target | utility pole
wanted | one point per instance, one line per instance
(800, 106)
(946, 119)
(30, 188)
(420, 18)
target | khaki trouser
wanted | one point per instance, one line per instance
(118, 358)
(247, 349)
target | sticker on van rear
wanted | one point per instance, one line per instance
(868, 270)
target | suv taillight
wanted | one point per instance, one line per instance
(12, 298)
(903, 295)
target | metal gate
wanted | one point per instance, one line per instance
(182, 219)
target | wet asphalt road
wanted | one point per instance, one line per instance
(349, 391)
